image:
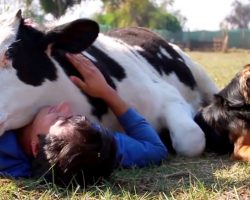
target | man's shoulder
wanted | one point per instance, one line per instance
(8, 135)
(8, 141)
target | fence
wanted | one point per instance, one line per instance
(210, 39)
(206, 40)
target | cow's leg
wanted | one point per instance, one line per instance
(187, 137)
(242, 148)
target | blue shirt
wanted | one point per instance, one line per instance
(141, 145)
(13, 161)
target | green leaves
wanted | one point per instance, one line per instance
(138, 13)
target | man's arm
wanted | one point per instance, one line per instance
(142, 145)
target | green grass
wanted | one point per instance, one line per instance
(222, 66)
(207, 177)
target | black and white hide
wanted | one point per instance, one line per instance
(154, 76)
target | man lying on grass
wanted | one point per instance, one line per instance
(66, 147)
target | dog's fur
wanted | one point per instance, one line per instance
(226, 121)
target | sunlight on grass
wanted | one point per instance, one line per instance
(222, 66)
(239, 172)
(207, 177)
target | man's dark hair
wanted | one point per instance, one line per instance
(82, 156)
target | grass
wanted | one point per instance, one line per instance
(222, 66)
(207, 177)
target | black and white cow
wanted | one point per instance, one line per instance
(153, 76)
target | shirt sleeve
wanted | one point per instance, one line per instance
(141, 145)
(13, 161)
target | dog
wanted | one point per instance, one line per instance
(226, 121)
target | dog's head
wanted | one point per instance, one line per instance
(228, 116)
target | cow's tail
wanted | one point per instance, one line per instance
(206, 85)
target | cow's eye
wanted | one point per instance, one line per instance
(10, 53)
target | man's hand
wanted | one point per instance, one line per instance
(94, 83)
(30, 22)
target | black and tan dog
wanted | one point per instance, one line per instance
(226, 121)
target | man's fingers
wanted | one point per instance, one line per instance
(78, 82)
(82, 64)
(82, 59)
(74, 61)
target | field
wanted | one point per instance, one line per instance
(207, 177)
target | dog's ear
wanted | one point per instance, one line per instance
(235, 104)
(229, 102)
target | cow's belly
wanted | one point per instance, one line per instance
(150, 98)
(192, 96)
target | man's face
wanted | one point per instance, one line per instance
(47, 121)
(49, 115)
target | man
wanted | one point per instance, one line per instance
(68, 147)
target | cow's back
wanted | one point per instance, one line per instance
(170, 63)
(160, 54)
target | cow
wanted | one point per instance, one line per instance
(150, 74)
(226, 120)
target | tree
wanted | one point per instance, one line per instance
(240, 17)
(163, 20)
(139, 13)
(111, 5)
(120, 13)
(57, 7)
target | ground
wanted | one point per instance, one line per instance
(206, 177)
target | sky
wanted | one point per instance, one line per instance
(200, 14)
(204, 14)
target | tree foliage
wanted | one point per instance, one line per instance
(122, 13)
(56, 7)
(240, 17)
(164, 20)
(111, 5)
(138, 13)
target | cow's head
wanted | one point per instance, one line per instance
(28, 67)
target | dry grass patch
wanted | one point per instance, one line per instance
(207, 177)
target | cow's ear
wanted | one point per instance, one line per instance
(16, 20)
(73, 37)
(19, 14)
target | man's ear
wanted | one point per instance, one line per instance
(35, 147)
(73, 37)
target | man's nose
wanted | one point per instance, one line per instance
(63, 107)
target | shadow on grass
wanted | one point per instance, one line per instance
(175, 177)
(179, 175)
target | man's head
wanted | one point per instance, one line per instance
(82, 154)
(47, 119)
